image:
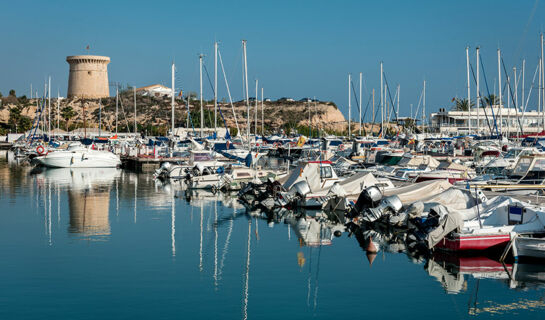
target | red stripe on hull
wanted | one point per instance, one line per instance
(484, 242)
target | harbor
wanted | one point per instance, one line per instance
(272, 160)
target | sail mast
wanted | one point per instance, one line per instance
(202, 110)
(349, 106)
(468, 94)
(172, 101)
(216, 87)
(478, 104)
(247, 96)
(361, 76)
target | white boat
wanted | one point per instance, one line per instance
(77, 156)
(527, 246)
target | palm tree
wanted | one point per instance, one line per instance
(491, 100)
(462, 104)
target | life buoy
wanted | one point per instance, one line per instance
(93, 146)
(341, 147)
(41, 150)
(277, 144)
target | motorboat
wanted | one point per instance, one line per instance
(78, 156)
(529, 246)
(490, 225)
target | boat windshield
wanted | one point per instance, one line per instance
(539, 165)
(522, 166)
(511, 154)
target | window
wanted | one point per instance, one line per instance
(326, 172)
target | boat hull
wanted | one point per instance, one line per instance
(79, 160)
(471, 242)
(529, 247)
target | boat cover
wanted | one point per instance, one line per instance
(419, 191)
(417, 161)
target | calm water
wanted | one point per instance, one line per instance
(109, 244)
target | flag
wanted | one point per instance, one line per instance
(180, 94)
(87, 48)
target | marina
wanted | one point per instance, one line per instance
(272, 160)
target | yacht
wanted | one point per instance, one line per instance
(78, 156)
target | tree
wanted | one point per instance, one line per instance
(12, 92)
(18, 122)
(491, 100)
(462, 104)
(67, 113)
(1, 95)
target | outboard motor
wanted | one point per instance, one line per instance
(388, 205)
(368, 198)
(297, 191)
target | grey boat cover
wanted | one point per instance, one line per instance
(419, 191)
(448, 222)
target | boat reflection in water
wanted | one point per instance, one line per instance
(88, 197)
(454, 272)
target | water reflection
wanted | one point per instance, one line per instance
(88, 197)
(221, 250)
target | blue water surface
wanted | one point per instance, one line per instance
(112, 244)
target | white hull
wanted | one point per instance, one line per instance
(529, 247)
(79, 159)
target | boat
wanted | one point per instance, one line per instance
(529, 246)
(78, 156)
(492, 225)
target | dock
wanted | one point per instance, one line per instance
(147, 163)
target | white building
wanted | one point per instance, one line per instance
(157, 90)
(489, 120)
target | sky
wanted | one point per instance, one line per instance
(295, 48)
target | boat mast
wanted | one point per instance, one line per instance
(349, 106)
(49, 109)
(58, 110)
(202, 110)
(381, 100)
(507, 78)
(542, 80)
(397, 112)
(262, 114)
(309, 127)
(134, 111)
(516, 93)
(499, 92)
(228, 92)
(468, 94)
(361, 77)
(99, 117)
(255, 112)
(424, 110)
(247, 96)
(216, 87)
(373, 120)
(478, 95)
(116, 105)
(172, 101)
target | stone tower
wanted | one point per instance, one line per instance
(88, 77)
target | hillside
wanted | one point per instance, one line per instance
(154, 113)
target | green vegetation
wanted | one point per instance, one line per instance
(461, 104)
(17, 122)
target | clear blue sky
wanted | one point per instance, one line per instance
(295, 48)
